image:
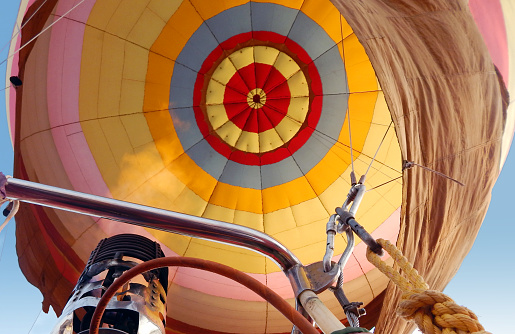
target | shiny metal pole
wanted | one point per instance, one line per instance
(141, 215)
(174, 222)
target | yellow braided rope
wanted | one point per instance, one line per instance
(432, 311)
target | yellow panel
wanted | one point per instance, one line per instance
(346, 30)
(208, 9)
(101, 151)
(164, 9)
(235, 257)
(373, 144)
(189, 202)
(326, 15)
(309, 211)
(322, 175)
(381, 112)
(295, 239)
(332, 196)
(217, 115)
(111, 71)
(176, 242)
(249, 219)
(169, 147)
(230, 133)
(159, 70)
(125, 17)
(132, 95)
(136, 126)
(220, 213)
(161, 126)
(313, 252)
(101, 14)
(215, 92)
(265, 54)
(360, 74)
(361, 108)
(135, 62)
(287, 128)
(147, 194)
(279, 221)
(298, 85)
(244, 199)
(168, 186)
(286, 65)
(117, 138)
(187, 171)
(284, 195)
(298, 108)
(90, 73)
(184, 22)
(248, 142)
(224, 72)
(242, 57)
(147, 29)
(157, 89)
(269, 140)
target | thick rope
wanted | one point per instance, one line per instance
(433, 311)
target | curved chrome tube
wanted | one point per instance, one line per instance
(241, 236)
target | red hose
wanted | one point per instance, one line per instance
(268, 294)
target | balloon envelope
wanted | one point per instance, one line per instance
(255, 113)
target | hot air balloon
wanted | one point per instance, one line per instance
(256, 113)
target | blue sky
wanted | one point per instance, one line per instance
(484, 282)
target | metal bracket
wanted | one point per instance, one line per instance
(312, 277)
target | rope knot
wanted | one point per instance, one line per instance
(437, 311)
(433, 311)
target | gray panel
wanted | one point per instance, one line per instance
(241, 175)
(186, 126)
(305, 32)
(198, 48)
(310, 36)
(332, 72)
(230, 22)
(284, 171)
(272, 17)
(310, 154)
(181, 86)
(208, 159)
(333, 115)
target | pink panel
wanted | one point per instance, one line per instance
(219, 286)
(12, 92)
(63, 82)
(490, 19)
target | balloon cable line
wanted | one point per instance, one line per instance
(384, 183)
(23, 25)
(12, 212)
(411, 164)
(377, 151)
(350, 141)
(41, 32)
(35, 320)
(353, 175)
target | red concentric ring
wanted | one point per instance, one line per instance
(275, 87)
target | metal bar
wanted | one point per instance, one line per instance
(361, 189)
(169, 221)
